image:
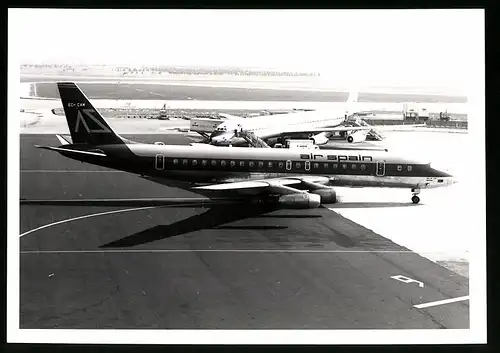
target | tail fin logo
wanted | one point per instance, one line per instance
(89, 114)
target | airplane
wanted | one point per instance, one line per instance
(281, 178)
(316, 125)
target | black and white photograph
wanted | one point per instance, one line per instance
(246, 176)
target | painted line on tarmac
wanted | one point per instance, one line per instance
(441, 302)
(84, 217)
(283, 251)
(70, 171)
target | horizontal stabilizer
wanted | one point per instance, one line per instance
(76, 152)
(63, 140)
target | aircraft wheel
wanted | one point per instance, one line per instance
(415, 199)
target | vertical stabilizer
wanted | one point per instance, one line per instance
(85, 123)
(352, 99)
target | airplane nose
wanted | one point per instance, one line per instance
(218, 140)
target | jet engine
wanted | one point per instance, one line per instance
(327, 195)
(357, 136)
(320, 139)
(300, 200)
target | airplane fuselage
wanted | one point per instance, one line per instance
(265, 127)
(183, 166)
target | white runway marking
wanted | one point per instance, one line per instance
(441, 302)
(124, 251)
(83, 217)
(71, 171)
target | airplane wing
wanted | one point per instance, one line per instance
(229, 116)
(197, 144)
(290, 130)
(278, 185)
(353, 128)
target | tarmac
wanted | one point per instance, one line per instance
(204, 268)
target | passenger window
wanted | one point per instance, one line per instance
(223, 163)
(251, 164)
(335, 165)
(280, 164)
(400, 168)
(344, 166)
(261, 164)
(353, 166)
(214, 162)
(316, 165)
(185, 161)
(288, 165)
(204, 162)
(176, 161)
(270, 164)
(233, 163)
(195, 162)
(325, 165)
(242, 163)
(297, 165)
(363, 167)
(409, 168)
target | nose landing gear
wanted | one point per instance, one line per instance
(415, 199)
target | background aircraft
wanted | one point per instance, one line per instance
(317, 125)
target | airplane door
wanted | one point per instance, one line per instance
(288, 165)
(159, 162)
(380, 168)
(308, 165)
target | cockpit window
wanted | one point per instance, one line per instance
(440, 180)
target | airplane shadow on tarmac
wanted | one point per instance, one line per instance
(217, 216)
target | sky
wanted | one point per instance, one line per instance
(418, 46)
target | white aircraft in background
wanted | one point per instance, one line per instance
(317, 125)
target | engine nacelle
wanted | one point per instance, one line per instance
(300, 200)
(320, 139)
(358, 136)
(327, 195)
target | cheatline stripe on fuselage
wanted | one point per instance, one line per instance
(255, 160)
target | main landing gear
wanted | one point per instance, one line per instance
(415, 199)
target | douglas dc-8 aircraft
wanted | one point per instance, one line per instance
(281, 177)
